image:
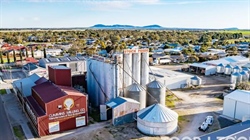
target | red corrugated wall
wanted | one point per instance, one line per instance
(51, 74)
(65, 123)
(38, 99)
(60, 76)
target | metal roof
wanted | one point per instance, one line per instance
(195, 78)
(36, 108)
(229, 66)
(59, 67)
(120, 100)
(236, 74)
(155, 84)
(48, 91)
(157, 113)
(70, 91)
(30, 66)
(237, 67)
(134, 87)
(62, 59)
(240, 130)
(41, 80)
(240, 95)
(220, 64)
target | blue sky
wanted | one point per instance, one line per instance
(85, 13)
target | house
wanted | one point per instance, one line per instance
(53, 52)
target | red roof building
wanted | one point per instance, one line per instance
(54, 108)
(60, 75)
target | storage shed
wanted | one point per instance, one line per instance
(123, 110)
(157, 120)
(237, 104)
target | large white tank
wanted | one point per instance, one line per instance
(137, 93)
(196, 81)
(236, 78)
(228, 69)
(157, 120)
(220, 68)
(245, 76)
(156, 93)
(236, 69)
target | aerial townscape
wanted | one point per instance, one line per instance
(124, 70)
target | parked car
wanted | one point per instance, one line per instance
(204, 127)
(209, 120)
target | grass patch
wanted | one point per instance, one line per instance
(19, 132)
(244, 32)
(170, 100)
(3, 91)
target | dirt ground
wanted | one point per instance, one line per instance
(195, 105)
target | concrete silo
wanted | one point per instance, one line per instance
(144, 68)
(136, 67)
(156, 93)
(157, 120)
(127, 69)
(137, 93)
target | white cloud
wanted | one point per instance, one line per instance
(36, 18)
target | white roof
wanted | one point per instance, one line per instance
(201, 65)
(157, 113)
(240, 95)
(229, 60)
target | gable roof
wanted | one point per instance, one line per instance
(70, 90)
(48, 91)
(120, 100)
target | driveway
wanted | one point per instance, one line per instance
(5, 129)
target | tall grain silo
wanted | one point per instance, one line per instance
(137, 93)
(236, 69)
(245, 76)
(220, 68)
(236, 78)
(136, 67)
(157, 120)
(156, 93)
(127, 69)
(144, 68)
(228, 69)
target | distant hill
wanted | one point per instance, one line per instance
(118, 26)
(232, 28)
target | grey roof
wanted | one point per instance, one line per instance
(120, 100)
(24, 85)
(62, 59)
(157, 113)
(237, 130)
(155, 84)
(134, 87)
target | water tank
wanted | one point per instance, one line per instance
(220, 68)
(196, 81)
(245, 76)
(156, 93)
(157, 120)
(236, 69)
(236, 78)
(137, 93)
(246, 70)
(228, 69)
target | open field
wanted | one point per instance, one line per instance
(244, 32)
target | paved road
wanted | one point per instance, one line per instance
(5, 129)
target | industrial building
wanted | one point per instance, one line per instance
(157, 120)
(77, 64)
(30, 68)
(237, 104)
(53, 108)
(237, 131)
(121, 110)
(60, 75)
(171, 79)
(210, 67)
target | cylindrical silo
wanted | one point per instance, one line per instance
(196, 81)
(245, 76)
(136, 67)
(228, 69)
(127, 69)
(220, 68)
(157, 120)
(144, 68)
(236, 78)
(137, 93)
(156, 93)
(236, 69)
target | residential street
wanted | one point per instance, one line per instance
(5, 129)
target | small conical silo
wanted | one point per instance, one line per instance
(228, 69)
(156, 93)
(196, 81)
(236, 78)
(236, 69)
(137, 93)
(245, 76)
(220, 68)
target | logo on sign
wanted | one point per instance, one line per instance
(68, 103)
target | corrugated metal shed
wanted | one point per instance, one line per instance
(118, 101)
(48, 92)
(157, 113)
(35, 106)
(24, 85)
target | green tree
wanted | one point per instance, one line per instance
(1, 56)
(8, 57)
(14, 55)
(203, 48)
